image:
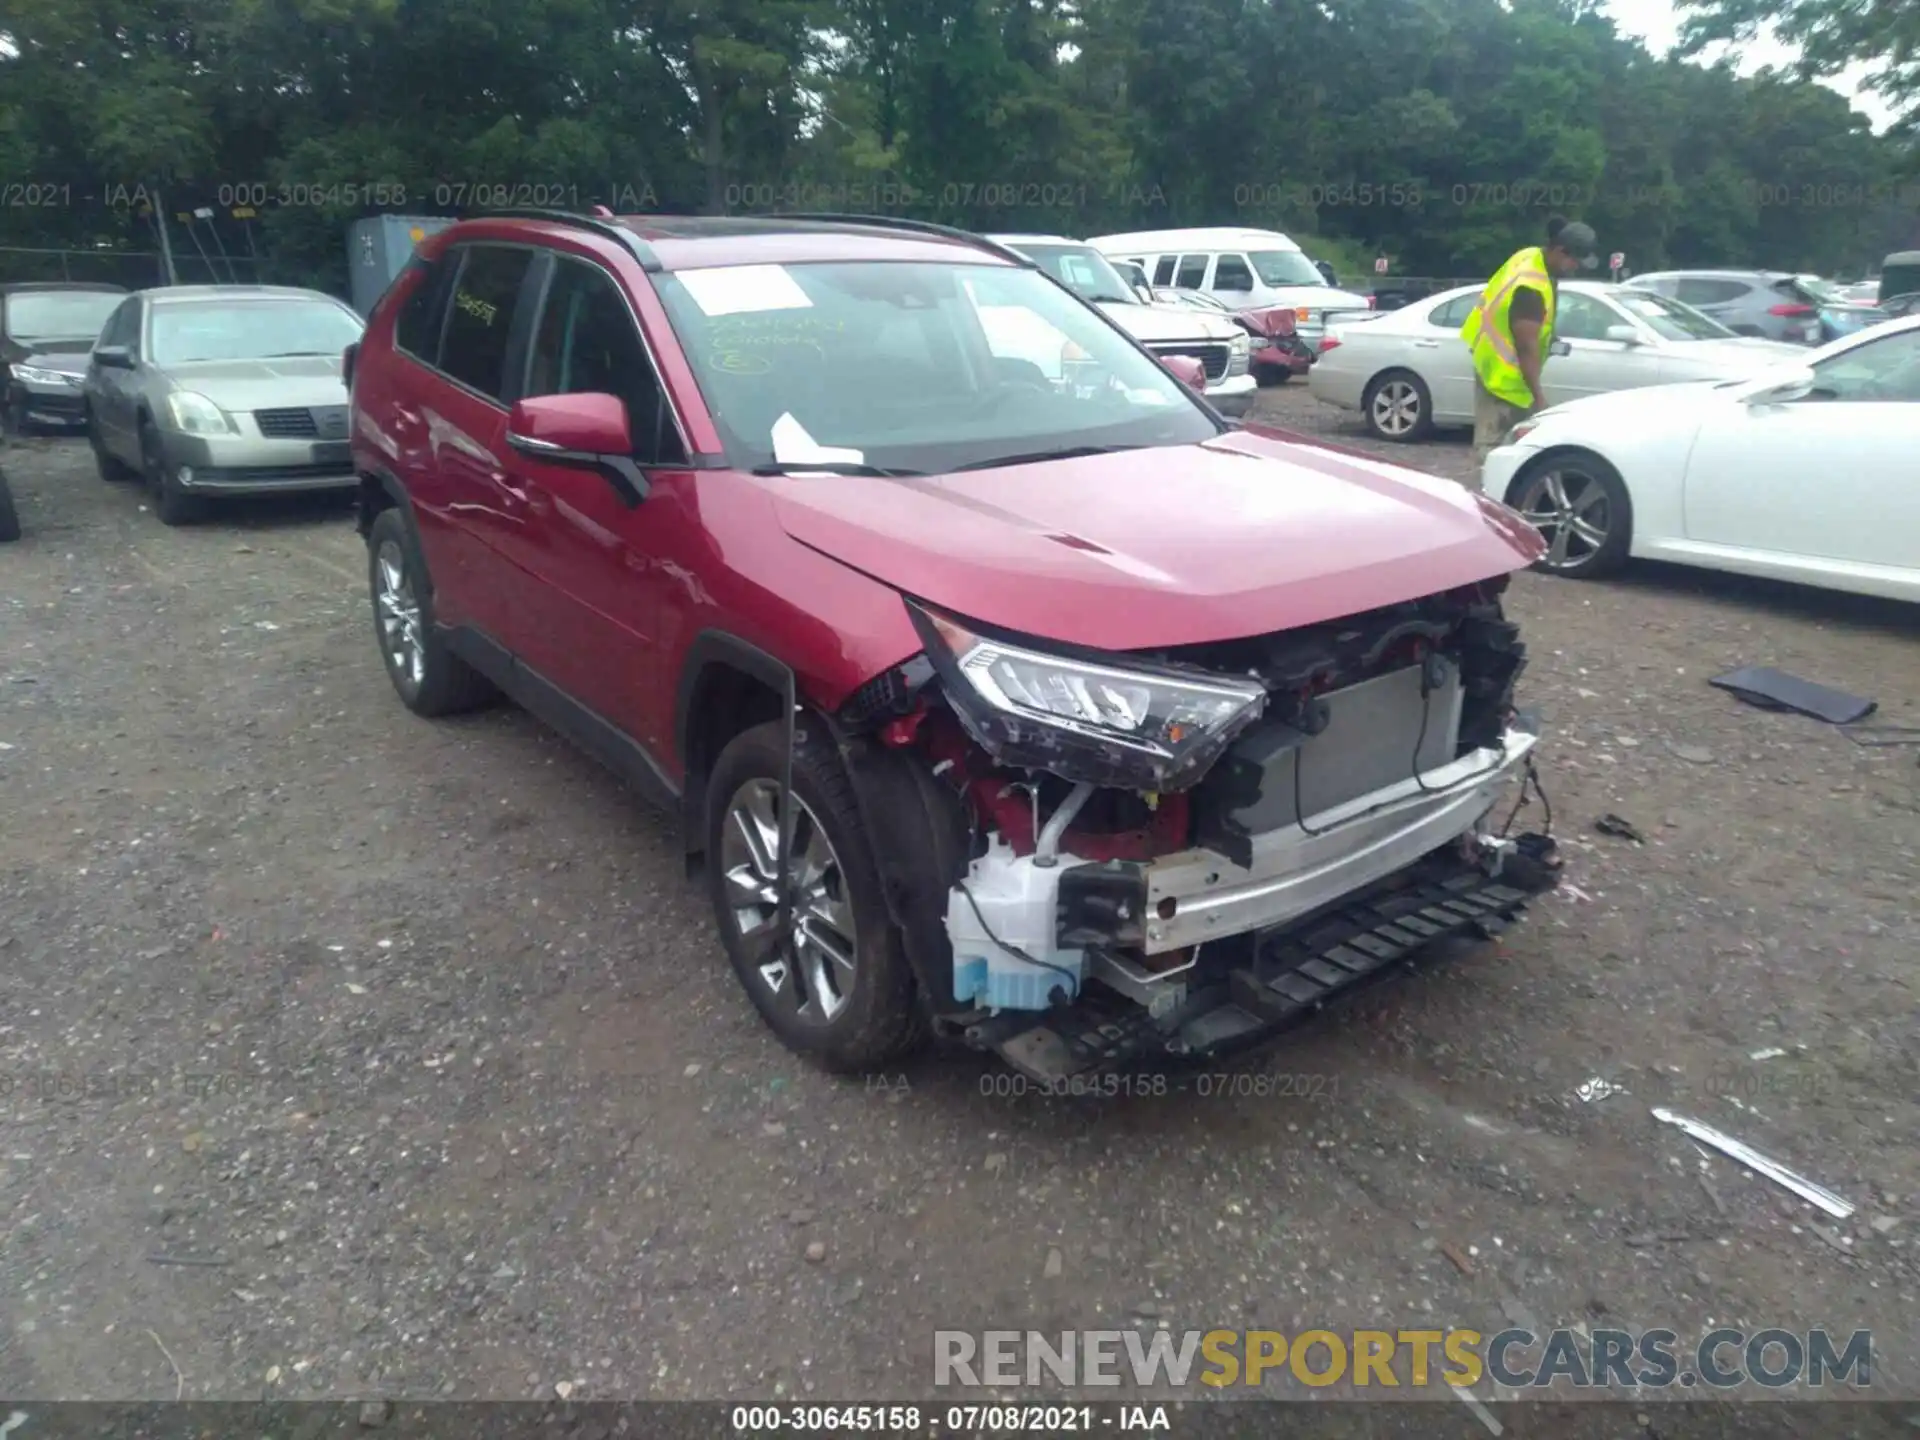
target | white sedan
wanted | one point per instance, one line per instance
(1408, 372)
(1810, 472)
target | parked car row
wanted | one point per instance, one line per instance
(1408, 372)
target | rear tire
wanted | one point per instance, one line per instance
(1398, 407)
(1580, 506)
(428, 677)
(842, 993)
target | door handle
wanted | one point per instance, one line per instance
(1426, 344)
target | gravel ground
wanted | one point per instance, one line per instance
(345, 1053)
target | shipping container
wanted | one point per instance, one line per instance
(379, 247)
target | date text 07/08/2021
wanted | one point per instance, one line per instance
(956, 1420)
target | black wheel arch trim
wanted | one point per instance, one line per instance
(714, 649)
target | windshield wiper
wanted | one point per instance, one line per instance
(1114, 299)
(832, 467)
(1071, 452)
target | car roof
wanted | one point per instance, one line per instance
(20, 287)
(167, 294)
(688, 242)
(1722, 274)
(1228, 237)
(1017, 240)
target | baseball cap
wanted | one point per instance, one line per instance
(1578, 240)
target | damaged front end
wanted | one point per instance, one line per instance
(1096, 860)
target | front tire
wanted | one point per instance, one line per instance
(172, 504)
(428, 677)
(1398, 407)
(1580, 506)
(110, 467)
(839, 989)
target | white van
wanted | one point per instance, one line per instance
(1245, 269)
(1221, 347)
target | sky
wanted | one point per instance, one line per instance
(1657, 23)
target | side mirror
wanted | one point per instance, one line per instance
(1187, 370)
(1784, 388)
(1623, 334)
(114, 357)
(351, 354)
(589, 432)
(1327, 272)
(1559, 347)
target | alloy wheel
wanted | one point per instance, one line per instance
(812, 968)
(1396, 408)
(1571, 510)
(399, 616)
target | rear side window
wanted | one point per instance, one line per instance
(416, 329)
(1694, 290)
(1192, 273)
(1163, 269)
(473, 346)
(1453, 314)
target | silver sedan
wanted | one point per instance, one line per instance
(211, 390)
(1408, 372)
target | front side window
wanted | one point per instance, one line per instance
(1192, 273)
(41, 317)
(480, 316)
(1163, 269)
(922, 367)
(1696, 291)
(1231, 273)
(586, 343)
(187, 332)
(1883, 370)
(1452, 314)
(1285, 267)
(416, 329)
(1580, 317)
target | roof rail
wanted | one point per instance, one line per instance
(918, 227)
(612, 229)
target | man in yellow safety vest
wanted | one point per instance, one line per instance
(1511, 329)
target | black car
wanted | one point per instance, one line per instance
(46, 333)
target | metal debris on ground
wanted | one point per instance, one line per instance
(1619, 828)
(1598, 1089)
(1771, 689)
(1760, 1164)
(1772, 1052)
(1453, 1253)
(1876, 735)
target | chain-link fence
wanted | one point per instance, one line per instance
(132, 269)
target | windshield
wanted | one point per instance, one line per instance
(1669, 319)
(181, 334)
(37, 316)
(924, 367)
(1083, 270)
(1285, 267)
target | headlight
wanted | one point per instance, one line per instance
(34, 375)
(1127, 725)
(1240, 344)
(197, 415)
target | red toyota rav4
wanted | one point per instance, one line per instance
(1049, 711)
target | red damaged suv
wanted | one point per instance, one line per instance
(1047, 711)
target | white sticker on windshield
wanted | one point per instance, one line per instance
(736, 289)
(792, 445)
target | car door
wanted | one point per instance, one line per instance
(462, 423)
(600, 565)
(1831, 477)
(110, 389)
(1443, 359)
(1593, 364)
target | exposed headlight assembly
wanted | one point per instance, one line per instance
(197, 415)
(1240, 344)
(1112, 723)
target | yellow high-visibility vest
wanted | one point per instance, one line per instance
(1489, 331)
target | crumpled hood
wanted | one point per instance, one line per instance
(1247, 533)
